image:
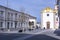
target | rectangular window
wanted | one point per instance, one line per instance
(15, 24)
(12, 16)
(16, 15)
(57, 19)
(1, 13)
(19, 24)
(11, 24)
(7, 25)
(1, 24)
(8, 14)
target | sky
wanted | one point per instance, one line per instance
(32, 7)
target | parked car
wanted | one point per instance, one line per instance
(57, 32)
(21, 30)
(30, 29)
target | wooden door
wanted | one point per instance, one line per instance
(48, 25)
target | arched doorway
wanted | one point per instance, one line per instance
(48, 25)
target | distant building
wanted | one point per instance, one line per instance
(49, 19)
(13, 20)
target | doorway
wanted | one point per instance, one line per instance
(48, 25)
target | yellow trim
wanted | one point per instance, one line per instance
(48, 9)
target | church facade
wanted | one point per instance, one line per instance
(49, 18)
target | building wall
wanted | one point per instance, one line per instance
(12, 19)
(56, 21)
(58, 3)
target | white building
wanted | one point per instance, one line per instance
(32, 22)
(13, 20)
(49, 19)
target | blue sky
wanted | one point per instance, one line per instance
(32, 7)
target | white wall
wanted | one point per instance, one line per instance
(34, 20)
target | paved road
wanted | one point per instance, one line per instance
(41, 37)
(51, 34)
(38, 34)
(12, 36)
(45, 35)
(33, 31)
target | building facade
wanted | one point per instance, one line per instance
(13, 20)
(49, 19)
(58, 7)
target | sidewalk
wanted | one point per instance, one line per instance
(51, 34)
(27, 31)
(54, 36)
(8, 31)
(33, 31)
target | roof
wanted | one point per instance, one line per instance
(48, 9)
(17, 11)
(8, 8)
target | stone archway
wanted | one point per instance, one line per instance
(48, 25)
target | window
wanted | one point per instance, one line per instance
(31, 23)
(16, 15)
(15, 24)
(8, 14)
(57, 19)
(1, 13)
(19, 24)
(47, 14)
(11, 24)
(7, 25)
(11, 14)
(1, 24)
